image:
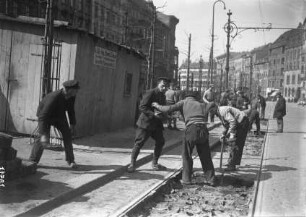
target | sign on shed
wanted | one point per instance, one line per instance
(105, 58)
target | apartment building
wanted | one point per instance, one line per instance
(198, 75)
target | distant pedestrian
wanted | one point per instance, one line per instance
(171, 99)
(232, 99)
(279, 111)
(236, 125)
(263, 104)
(224, 97)
(196, 135)
(242, 101)
(208, 98)
(150, 124)
(253, 115)
(52, 112)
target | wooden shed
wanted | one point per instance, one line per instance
(108, 74)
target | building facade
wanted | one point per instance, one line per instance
(133, 23)
(261, 68)
(292, 72)
(198, 76)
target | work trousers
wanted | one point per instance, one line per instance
(280, 125)
(210, 114)
(142, 135)
(262, 112)
(44, 130)
(254, 117)
(197, 135)
(171, 116)
(236, 149)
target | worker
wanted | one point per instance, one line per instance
(150, 124)
(52, 112)
(196, 135)
(236, 126)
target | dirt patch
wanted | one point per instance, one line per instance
(232, 197)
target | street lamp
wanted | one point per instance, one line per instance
(211, 62)
(220, 63)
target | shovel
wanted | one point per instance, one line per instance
(223, 142)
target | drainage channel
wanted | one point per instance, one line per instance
(234, 196)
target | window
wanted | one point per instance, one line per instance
(299, 78)
(288, 79)
(286, 91)
(128, 83)
(281, 82)
(293, 79)
(283, 60)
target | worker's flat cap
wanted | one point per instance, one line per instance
(194, 94)
(71, 84)
(165, 79)
(278, 93)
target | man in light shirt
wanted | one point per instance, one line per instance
(236, 125)
(208, 98)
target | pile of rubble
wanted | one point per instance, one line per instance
(232, 197)
(12, 166)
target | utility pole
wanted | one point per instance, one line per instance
(126, 28)
(221, 74)
(150, 73)
(200, 73)
(188, 62)
(251, 75)
(211, 56)
(228, 31)
(191, 82)
(48, 46)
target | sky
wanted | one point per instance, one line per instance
(195, 18)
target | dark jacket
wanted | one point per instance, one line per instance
(53, 107)
(262, 101)
(147, 119)
(224, 98)
(242, 102)
(280, 108)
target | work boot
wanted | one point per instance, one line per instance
(157, 167)
(131, 168)
(72, 165)
(230, 168)
(213, 182)
(186, 184)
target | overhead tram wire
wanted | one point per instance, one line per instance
(262, 20)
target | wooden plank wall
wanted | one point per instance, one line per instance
(24, 68)
(101, 104)
(5, 46)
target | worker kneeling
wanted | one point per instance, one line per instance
(196, 134)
